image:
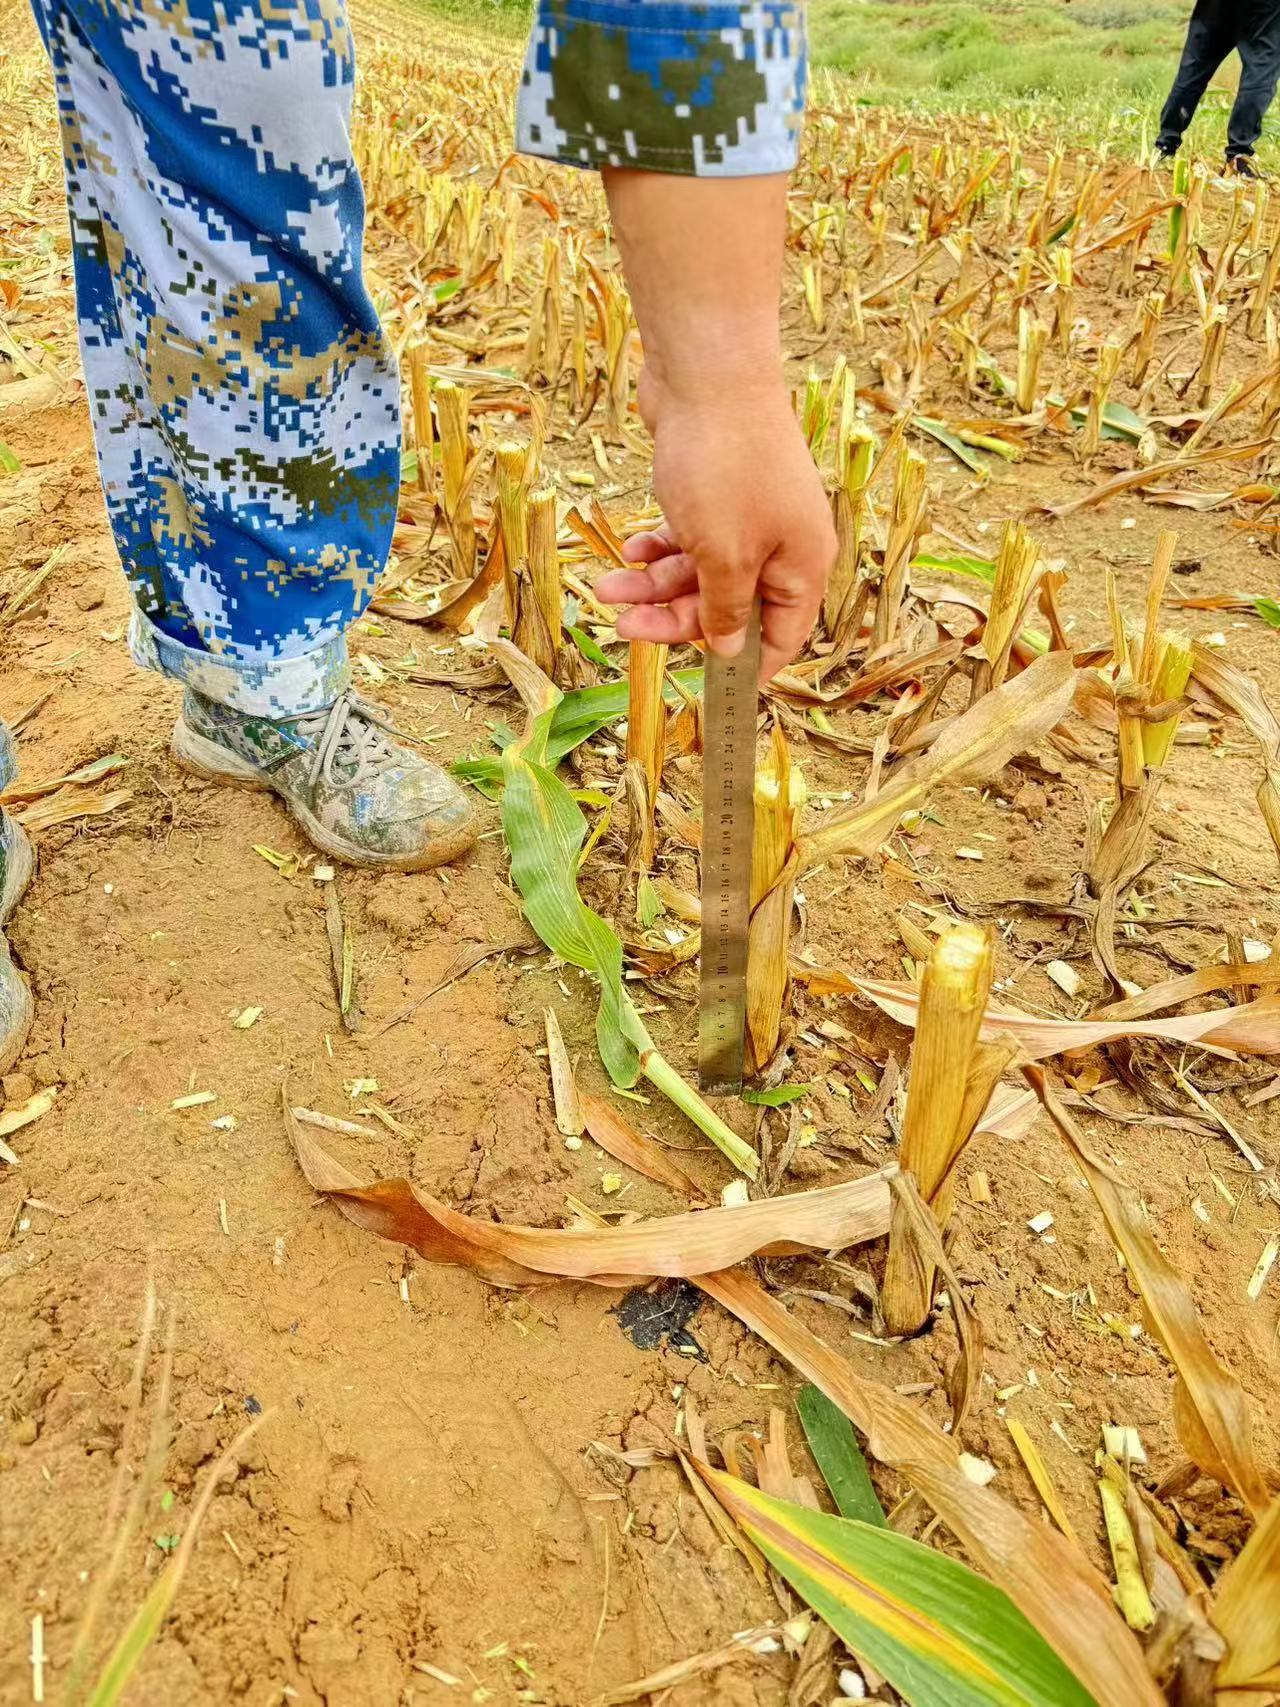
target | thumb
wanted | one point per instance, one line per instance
(726, 596)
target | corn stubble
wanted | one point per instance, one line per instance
(952, 1078)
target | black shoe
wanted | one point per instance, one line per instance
(1242, 166)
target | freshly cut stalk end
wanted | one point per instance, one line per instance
(663, 1076)
(1173, 672)
(1131, 1588)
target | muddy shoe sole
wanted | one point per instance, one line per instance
(208, 759)
(17, 1010)
(19, 869)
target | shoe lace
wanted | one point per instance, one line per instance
(349, 733)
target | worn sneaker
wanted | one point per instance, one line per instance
(357, 794)
(17, 862)
(1244, 166)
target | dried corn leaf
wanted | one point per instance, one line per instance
(621, 1140)
(1038, 1471)
(1253, 1029)
(677, 1245)
(69, 804)
(1207, 981)
(21, 793)
(1246, 1607)
(975, 745)
(1052, 1584)
(1134, 478)
(564, 1090)
(1210, 1408)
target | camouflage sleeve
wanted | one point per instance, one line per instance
(709, 88)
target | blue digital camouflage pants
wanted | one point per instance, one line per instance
(244, 401)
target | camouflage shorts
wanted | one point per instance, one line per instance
(713, 88)
(244, 401)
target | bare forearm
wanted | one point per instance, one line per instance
(746, 516)
(703, 259)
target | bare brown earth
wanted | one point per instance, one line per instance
(426, 1490)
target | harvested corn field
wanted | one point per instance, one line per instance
(385, 1317)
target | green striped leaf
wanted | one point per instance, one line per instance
(941, 1634)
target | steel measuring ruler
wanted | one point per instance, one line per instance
(728, 830)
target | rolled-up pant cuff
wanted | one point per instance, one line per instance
(272, 687)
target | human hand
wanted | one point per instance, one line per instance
(746, 516)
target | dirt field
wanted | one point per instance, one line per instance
(427, 1490)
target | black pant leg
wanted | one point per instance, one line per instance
(1259, 47)
(1211, 35)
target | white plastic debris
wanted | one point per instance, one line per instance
(979, 1471)
(1065, 977)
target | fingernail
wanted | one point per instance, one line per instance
(728, 645)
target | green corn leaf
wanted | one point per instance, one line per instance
(544, 830)
(837, 1454)
(980, 568)
(941, 1634)
(578, 716)
(1118, 420)
(1268, 610)
(959, 449)
(778, 1097)
(591, 648)
(137, 1636)
(648, 903)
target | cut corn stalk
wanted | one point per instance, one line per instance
(646, 745)
(457, 472)
(951, 1081)
(905, 525)
(849, 504)
(423, 434)
(1033, 335)
(512, 463)
(1016, 578)
(1144, 344)
(1131, 1591)
(538, 631)
(1108, 366)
